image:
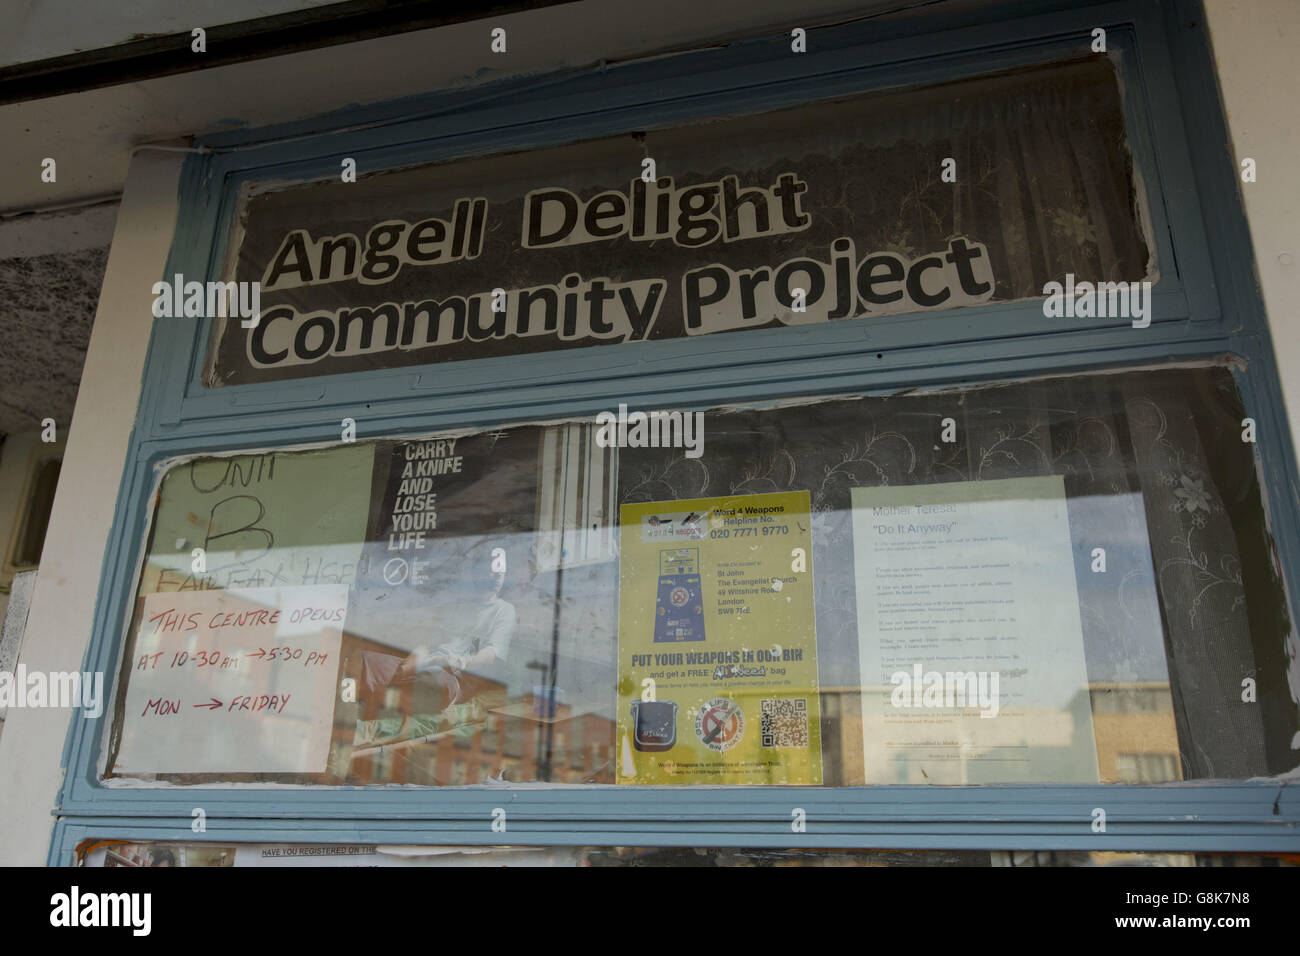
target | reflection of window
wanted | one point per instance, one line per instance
(1146, 768)
(458, 773)
(575, 751)
(1132, 700)
(514, 737)
(490, 742)
(580, 498)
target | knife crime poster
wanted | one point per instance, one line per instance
(717, 642)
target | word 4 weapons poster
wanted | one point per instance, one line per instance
(717, 642)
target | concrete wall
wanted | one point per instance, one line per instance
(59, 625)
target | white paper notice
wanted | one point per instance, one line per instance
(234, 681)
(969, 635)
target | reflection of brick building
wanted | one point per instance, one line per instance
(1137, 741)
(506, 739)
(1132, 723)
(581, 743)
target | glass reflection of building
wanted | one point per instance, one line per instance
(1132, 723)
(508, 747)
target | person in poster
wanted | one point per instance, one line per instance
(441, 597)
(472, 633)
(470, 630)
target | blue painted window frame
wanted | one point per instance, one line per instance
(1206, 305)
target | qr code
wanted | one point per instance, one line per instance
(783, 722)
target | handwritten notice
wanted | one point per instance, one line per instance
(233, 681)
(260, 521)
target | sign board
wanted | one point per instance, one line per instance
(234, 680)
(717, 644)
(830, 212)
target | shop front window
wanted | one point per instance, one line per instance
(1055, 580)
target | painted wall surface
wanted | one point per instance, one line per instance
(1254, 47)
(101, 125)
(59, 624)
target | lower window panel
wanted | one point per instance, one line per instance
(1057, 580)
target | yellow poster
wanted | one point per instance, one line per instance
(717, 642)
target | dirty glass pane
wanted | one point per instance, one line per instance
(1054, 580)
